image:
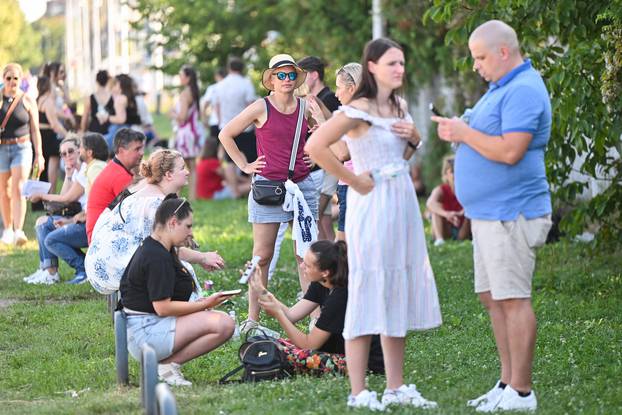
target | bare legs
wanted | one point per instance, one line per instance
(264, 237)
(5, 201)
(357, 355)
(514, 326)
(199, 333)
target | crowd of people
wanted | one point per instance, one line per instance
(365, 287)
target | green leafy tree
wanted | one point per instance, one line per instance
(576, 46)
(19, 42)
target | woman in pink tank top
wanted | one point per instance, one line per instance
(275, 118)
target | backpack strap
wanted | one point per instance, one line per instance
(225, 379)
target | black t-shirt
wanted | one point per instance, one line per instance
(332, 317)
(152, 275)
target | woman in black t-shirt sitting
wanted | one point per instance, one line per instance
(321, 350)
(155, 290)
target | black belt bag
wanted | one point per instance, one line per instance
(272, 192)
(268, 192)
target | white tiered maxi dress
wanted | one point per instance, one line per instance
(391, 287)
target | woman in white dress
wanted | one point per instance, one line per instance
(391, 285)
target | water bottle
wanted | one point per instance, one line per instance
(236, 332)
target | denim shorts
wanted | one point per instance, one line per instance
(275, 214)
(342, 192)
(158, 332)
(15, 155)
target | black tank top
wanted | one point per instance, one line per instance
(94, 124)
(18, 124)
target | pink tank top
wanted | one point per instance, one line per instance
(275, 139)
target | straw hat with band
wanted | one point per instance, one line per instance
(279, 61)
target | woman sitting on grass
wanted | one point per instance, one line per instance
(321, 350)
(155, 290)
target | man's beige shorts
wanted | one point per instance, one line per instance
(504, 255)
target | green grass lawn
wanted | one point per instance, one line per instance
(57, 343)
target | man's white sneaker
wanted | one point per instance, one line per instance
(8, 237)
(365, 399)
(487, 401)
(46, 278)
(171, 374)
(34, 276)
(512, 401)
(406, 395)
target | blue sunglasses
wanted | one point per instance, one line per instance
(281, 76)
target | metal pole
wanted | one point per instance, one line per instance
(166, 400)
(120, 343)
(377, 20)
(148, 378)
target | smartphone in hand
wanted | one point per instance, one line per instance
(249, 269)
(230, 293)
(435, 111)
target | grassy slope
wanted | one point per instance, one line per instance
(55, 340)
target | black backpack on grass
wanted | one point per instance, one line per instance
(262, 358)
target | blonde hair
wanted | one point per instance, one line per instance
(158, 164)
(351, 73)
(14, 66)
(72, 138)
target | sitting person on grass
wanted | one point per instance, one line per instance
(322, 350)
(155, 293)
(447, 214)
(64, 237)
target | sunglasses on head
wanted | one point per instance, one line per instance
(68, 152)
(281, 76)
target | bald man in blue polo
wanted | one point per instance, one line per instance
(501, 182)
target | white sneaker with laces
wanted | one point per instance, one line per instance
(34, 276)
(365, 399)
(171, 374)
(512, 401)
(487, 401)
(8, 237)
(46, 278)
(248, 325)
(406, 395)
(439, 242)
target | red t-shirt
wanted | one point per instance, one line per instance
(112, 180)
(450, 201)
(208, 179)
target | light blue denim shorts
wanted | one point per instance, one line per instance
(158, 332)
(15, 155)
(275, 214)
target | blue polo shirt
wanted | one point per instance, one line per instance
(489, 190)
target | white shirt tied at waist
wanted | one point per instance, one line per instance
(390, 171)
(304, 231)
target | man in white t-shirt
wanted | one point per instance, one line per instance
(232, 95)
(207, 103)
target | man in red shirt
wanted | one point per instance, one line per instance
(129, 147)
